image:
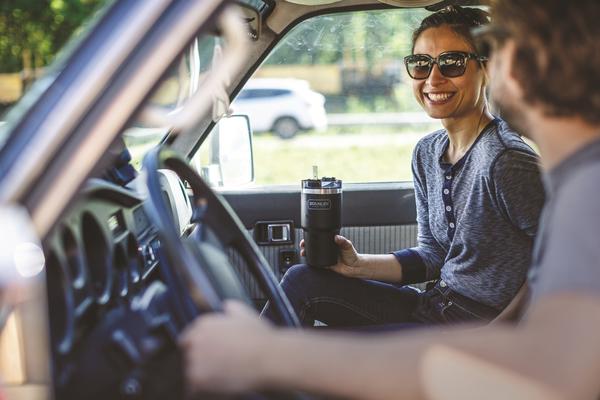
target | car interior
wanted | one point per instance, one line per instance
(144, 195)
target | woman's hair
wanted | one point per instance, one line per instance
(557, 53)
(460, 20)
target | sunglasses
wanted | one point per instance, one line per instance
(450, 63)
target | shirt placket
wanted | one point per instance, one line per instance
(449, 175)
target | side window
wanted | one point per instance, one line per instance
(350, 111)
(334, 93)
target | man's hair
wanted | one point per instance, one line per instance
(460, 19)
(557, 57)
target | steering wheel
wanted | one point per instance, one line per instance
(136, 343)
(203, 269)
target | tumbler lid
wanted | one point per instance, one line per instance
(323, 185)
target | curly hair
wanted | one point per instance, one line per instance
(460, 19)
(557, 53)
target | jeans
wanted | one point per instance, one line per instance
(338, 301)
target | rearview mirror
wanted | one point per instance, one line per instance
(226, 158)
(252, 17)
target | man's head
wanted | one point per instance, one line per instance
(547, 57)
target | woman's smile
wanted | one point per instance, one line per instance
(438, 98)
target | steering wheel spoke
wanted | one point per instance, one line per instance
(200, 266)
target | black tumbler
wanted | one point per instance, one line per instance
(321, 220)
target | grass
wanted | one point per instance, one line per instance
(357, 156)
(353, 154)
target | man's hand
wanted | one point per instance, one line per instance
(222, 351)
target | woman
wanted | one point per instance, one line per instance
(478, 195)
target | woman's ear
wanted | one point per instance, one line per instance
(486, 76)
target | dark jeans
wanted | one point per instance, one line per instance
(326, 296)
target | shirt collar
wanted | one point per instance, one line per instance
(455, 167)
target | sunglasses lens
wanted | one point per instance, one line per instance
(452, 64)
(418, 67)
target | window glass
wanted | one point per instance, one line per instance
(350, 108)
(178, 85)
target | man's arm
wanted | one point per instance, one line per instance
(557, 347)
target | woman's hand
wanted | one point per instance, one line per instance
(379, 267)
(349, 261)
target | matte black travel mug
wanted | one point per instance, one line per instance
(321, 210)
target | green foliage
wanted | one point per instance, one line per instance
(32, 31)
(349, 37)
(367, 49)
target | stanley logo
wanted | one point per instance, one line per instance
(320, 204)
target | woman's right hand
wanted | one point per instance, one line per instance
(349, 261)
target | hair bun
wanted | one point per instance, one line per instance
(469, 15)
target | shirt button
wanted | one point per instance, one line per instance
(451, 224)
(446, 191)
(448, 177)
(448, 208)
(442, 284)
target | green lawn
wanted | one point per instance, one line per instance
(355, 156)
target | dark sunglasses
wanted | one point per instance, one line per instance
(450, 63)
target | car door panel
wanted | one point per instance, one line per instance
(377, 217)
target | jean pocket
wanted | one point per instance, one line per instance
(453, 312)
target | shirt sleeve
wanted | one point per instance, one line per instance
(424, 262)
(569, 259)
(518, 189)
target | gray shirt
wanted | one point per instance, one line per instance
(567, 251)
(477, 218)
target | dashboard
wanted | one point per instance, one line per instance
(103, 260)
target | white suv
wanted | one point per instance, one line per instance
(283, 106)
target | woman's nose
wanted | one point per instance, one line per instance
(435, 76)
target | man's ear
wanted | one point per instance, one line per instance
(508, 52)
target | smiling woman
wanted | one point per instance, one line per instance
(464, 176)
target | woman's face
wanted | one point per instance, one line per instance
(443, 97)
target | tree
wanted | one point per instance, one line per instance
(32, 31)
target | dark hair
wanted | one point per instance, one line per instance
(557, 53)
(460, 20)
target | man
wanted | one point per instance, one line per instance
(544, 67)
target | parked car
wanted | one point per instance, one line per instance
(283, 106)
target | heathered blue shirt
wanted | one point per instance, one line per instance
(477, 218)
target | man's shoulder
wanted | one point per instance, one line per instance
(568, 250)
(581, 187)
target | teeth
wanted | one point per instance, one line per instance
(439, 96)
